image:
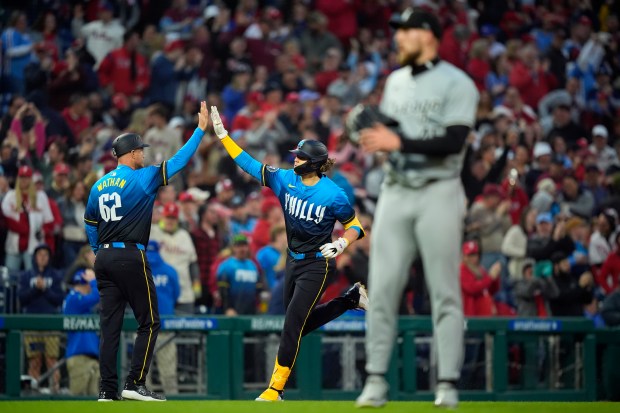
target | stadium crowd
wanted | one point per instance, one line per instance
(541, 173)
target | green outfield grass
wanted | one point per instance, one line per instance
(293, 407)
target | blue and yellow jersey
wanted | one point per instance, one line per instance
(310, 212)
(120, 204)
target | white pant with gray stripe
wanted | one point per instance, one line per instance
(426, 221)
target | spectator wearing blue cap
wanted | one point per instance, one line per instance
(82, 347)
(548, 239)
(168, 291)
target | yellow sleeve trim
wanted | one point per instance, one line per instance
(164, 167)
(231, 147)
(355, 223)
(90, 222)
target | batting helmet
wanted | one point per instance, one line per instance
(126, 143)
(314, 152)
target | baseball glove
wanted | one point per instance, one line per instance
(362, 117)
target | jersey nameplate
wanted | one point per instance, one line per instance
(111, 182)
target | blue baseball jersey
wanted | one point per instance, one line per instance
(310, 212)
(268, 258)
(240, 276)
(166, 282)
(82, 342)
(120, 204)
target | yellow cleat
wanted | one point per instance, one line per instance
(270, 395)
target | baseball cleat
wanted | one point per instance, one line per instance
(358, 295)
(374, 393)
(270, 395)
(139, 392)
(446, 396)
(109, 396)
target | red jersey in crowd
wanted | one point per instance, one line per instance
(518, 201)
(609, 275)
(531, 84)
(116, 70)
(341, 16)
(77, 124)
(478, 292)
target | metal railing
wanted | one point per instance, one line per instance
(232, 358)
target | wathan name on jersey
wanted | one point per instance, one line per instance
(299, 208)
(111, 182)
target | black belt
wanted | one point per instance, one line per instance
(123, 245)
(303, 256)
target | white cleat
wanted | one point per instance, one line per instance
(260, 399)
(358, 295)
(363, 303)
(374, 393)
(270, 395)
(446, 396)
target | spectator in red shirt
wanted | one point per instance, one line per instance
(531, 76)
(77, 117)
(125, 70)
(516, 194)
(478, 66)
(341, 16)
(271, 216)
(477, 285)
(329, 70)
(454, 45)
(608, 278)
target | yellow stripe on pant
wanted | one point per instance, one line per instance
(310, 310)
(148, 290)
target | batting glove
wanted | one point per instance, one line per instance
(218, 126)
(334, 249)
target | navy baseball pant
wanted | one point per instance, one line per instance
(124, 277)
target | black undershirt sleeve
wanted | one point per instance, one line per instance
(452, 142)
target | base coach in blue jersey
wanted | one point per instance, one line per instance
(118, 222)
(312, 203)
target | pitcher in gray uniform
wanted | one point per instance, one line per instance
(422, 202)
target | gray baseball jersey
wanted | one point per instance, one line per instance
(425, 105)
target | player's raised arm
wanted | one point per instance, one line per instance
(241, 158)
(178, 161)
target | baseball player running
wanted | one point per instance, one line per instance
(312, 203)
(118, 224)
(422, 203)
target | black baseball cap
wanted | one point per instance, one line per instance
(417, 18)
(126, 143)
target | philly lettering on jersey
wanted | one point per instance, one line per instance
(310, 212)
(297, 208)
